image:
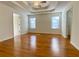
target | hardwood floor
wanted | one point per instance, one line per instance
(39, 45)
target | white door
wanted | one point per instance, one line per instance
(16, 23)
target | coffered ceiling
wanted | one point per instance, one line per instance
(37, 6)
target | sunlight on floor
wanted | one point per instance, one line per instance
(55, 45)
(33, 42)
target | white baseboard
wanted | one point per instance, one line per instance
(10, 37)
(77, 47)
(64, 36)
(6, 38)
(24, 33)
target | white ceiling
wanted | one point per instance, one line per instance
(50, 6)
(53, 6)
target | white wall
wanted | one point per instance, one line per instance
(75, 25)
(6, 22)
(43, 23)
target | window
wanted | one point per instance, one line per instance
(33, 23)
(55, 22)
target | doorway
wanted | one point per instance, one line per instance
(69, 19)
(16, 24)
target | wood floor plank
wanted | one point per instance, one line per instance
(42, 45)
